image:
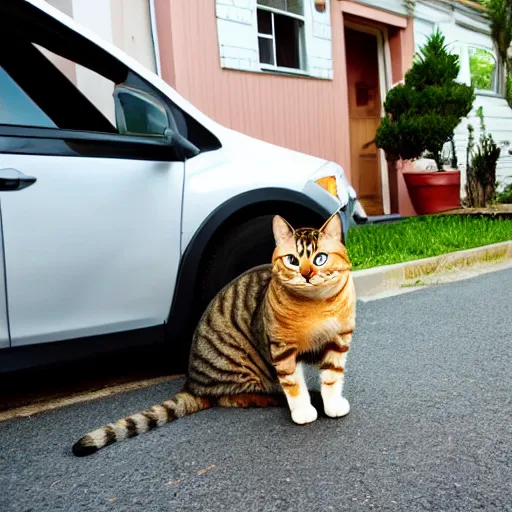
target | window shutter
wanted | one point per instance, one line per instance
(236, 31)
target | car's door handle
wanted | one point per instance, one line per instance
(12, 179)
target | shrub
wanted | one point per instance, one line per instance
(481, 168)
(422, 114)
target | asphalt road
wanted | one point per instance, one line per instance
(429, 380)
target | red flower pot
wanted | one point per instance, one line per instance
(433, 192)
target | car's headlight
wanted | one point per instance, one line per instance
(332, 178)
(329, 184)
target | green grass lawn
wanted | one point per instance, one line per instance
(422, 237)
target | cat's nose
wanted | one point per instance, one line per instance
(306, 270)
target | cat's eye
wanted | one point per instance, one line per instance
(292, 260)
(320, 259)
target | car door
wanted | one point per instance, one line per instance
(4, 323)
(91, 217)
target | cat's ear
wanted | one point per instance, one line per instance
(282, 230)
(333, 228)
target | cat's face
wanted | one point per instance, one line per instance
(309, 262)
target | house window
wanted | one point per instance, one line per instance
(483, 69)
(281, 33)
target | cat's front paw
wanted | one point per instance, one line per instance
(305, 414)
(336, 407)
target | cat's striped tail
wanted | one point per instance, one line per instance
(181, 405)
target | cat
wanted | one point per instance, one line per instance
(251, 342)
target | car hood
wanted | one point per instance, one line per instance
(294, 166)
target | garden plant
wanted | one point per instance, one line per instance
(422, 113)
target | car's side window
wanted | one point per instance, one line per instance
(53, 84)
(70, 84)
(17, 108)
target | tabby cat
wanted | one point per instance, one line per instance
(250, 343)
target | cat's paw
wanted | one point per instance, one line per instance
(305, 414)
(336, 407)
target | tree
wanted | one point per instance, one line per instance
(422, 113)
(482, 66)
(499, 15)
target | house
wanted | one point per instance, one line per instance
(468, 34)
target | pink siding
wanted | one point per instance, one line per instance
(165, 40)
(304, 114)
(401, 44)
(405, 204)
(395, 44)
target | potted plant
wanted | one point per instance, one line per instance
(421, 117)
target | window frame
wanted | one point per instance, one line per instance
(498, 87)
(301, 40)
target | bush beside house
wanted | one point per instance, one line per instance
(421, 116)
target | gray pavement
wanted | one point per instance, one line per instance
(430, 384)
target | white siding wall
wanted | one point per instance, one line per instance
(462, 27)
(131, 30)
(318, 41)
(238, 37)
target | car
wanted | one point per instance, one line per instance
(122, 232)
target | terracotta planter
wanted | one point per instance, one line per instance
(433, 192)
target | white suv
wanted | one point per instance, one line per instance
(110, 227)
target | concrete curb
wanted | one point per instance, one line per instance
(373, 281)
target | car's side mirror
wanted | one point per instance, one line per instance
(142, 114)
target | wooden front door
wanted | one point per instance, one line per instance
(364, 113)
